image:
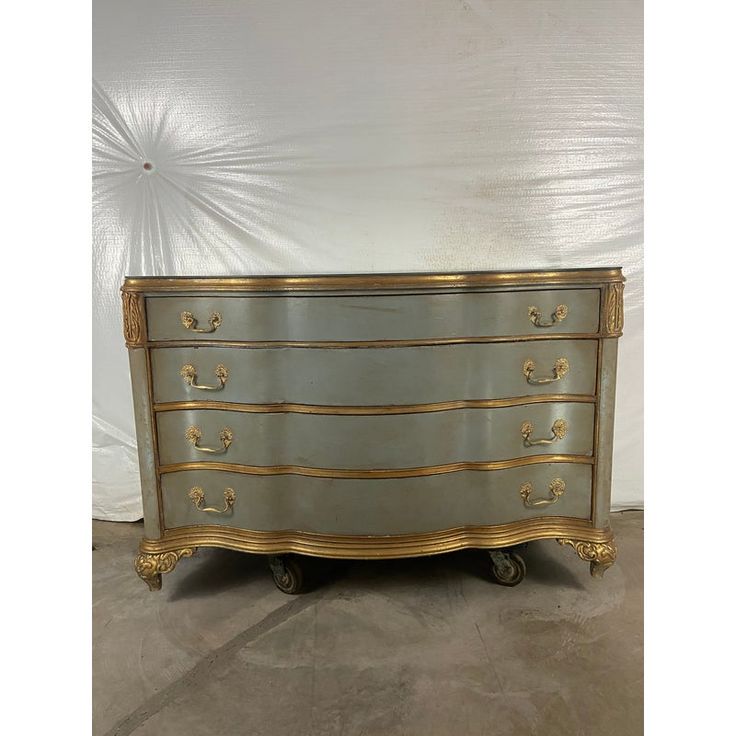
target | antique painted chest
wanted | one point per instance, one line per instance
(374, 416)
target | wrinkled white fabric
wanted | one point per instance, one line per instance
(345, 136)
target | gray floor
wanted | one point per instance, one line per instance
(424, 646)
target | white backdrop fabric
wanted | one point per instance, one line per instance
(348, 136)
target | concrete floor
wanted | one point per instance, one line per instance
(425, 647)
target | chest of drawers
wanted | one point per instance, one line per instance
(370, 416)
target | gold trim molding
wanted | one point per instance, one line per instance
(150, 565)
(376, 473)
(373, 547)
(441, 281)
(358, 344)
(287, 408)
(601, 555)
(612, 312)
(133, 320)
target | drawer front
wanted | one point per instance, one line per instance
(374, 376)
(379, 317)
(364, 442)
(381, 507)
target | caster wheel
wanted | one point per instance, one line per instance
(287, 574)
(508, 568)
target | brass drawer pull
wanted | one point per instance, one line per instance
(190, 322)
(558, 315)
(189, 374)
(559, 430)
(194, 435)
(197, 496)
(556, 489)
(561, 367)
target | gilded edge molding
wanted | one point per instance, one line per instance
(612, 312)
(347, 473)
(133, 319)
(150, 565)
(367, 344)
(327, 282)
(374, 410)
(601, 555)
(374, 547)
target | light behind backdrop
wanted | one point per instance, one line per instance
(346, 136)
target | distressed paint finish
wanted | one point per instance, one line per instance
(387, 441)
(304, 462)
(379, 507)
(606, 412)
(386, 317)
(144, 434)
(410, 375)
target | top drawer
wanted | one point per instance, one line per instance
(368, 318)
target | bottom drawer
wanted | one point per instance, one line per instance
(378, 507)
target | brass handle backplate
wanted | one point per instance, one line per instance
(197, 496)
(189, 373)
(559, 430)
(194, 435)
(535, 315)
(556, 489)
(190, 322)
(561, 367)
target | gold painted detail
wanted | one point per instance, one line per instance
(376, 473)
(560, 368)
(535, 316)
(194, 435)
(601, 555)
(189, 373)
(612, 318)
(197, 496)
(369, 546)
(150, 565)
(559, 430)
(373, 409)
(338, 282)
(190, 322)
(133, 319)
(367, 344)
(556, 489)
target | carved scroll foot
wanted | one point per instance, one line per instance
(150, 566)
(601, 555)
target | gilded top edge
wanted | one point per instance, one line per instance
(593, 276)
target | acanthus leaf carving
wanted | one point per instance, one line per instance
(132, 318)
(613, 309)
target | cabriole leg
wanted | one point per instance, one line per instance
(601, 555)
(150, 566)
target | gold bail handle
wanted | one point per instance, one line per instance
(194, 435)
(559, 370)
(556, 489)
(535, 316)
(197, 496)
(559, 430)
(190, 322)
(189, 373)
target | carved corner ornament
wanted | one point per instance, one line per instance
(133, 320)
(612, 316)
(150, 566)
(601, 555)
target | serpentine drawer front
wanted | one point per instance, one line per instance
(369, 318)
(407, 440)
(407, 375)
(374, 415)
(418, 504)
